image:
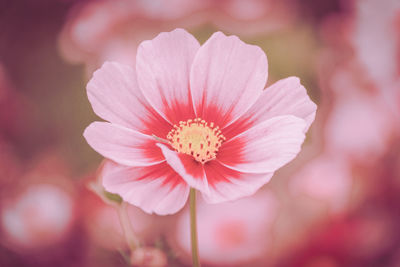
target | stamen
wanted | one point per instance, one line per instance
(196, 138)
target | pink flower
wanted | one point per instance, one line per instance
(224, 135)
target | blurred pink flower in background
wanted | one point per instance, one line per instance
(225, 79)
(38, 217)
(251, 17)
(326, 180)
(357, 122)
(102, 221)
(149, 257)
(99, 31)
(376, 28)
(41, 211)
(231, 233)
(104, 228)
(359, 125)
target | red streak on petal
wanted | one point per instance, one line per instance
(214, 114)
(178, 111)
(230, 152)
(192, 167)
(151, 151)
(242, 124)
(217, 173)
(156, 124)
(171, 178)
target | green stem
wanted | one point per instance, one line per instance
(193, 229)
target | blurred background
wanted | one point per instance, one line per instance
(336, 204)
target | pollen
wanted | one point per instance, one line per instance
(196, 138)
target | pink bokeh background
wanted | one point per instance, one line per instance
(336, 204)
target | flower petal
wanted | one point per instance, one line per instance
(228, 184)
(155, 188)
(115, 96)
(188, 168)
(285, 97)
(123, 145)
(265, 147)
(227, 77)
(163, 66)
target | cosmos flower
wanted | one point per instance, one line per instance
(194, 116)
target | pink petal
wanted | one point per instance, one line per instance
(226, 79)
(265, 147)
(155, 188)
(163, 66)
(123, 145)
(228, 184)
(188, 168)
(285, 97)
(115, 96)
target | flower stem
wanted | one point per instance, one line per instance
(129, 235)
(193, 229)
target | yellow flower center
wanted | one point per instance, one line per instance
(196, 138)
